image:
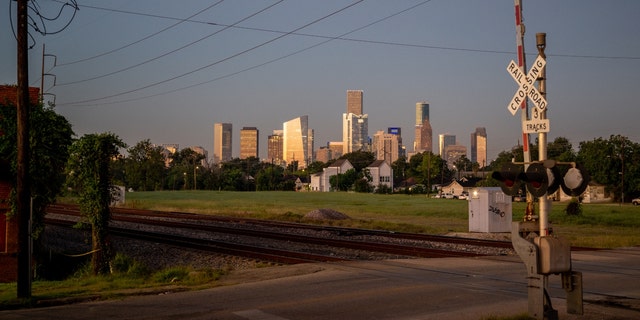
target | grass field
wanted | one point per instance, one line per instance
(599, 225)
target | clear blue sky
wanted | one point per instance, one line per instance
(268, 68)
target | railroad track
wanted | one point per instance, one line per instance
(234, 249)
(343, 232)
(246, 228)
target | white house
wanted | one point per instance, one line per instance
(320, 181)
(381, 173)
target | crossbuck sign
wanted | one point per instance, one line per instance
(526, 87)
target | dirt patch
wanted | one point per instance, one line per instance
(326, 214)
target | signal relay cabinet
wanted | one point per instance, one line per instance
(489, 210)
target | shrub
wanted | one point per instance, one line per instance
(171, 275)
(574, 208)
(122, 264)
(384, 189)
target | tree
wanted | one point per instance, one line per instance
(363, 182)
(561, 150)
(463, 164)
(144, 167)
(50, 137)
(613, 162)
(343, 181)
(359, 159)
(315, 167)
(503, 157)
(399, 170)
(270, 178)
(184, 164)
(89, 167)
(430, 169)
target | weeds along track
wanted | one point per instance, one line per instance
(253, 237)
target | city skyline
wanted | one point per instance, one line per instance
(167, 71)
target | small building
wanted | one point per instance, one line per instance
(320, 181)
(302, 183)
(456, 187)
(381, 174)
(594, 193)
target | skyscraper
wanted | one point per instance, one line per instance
(221, 142)
(295, 143)
(337, 147)
(354, 101)
(445, 140)
(424, 138)
(452, 153)
(422, 112)
(274, 147)
(249, 142)
(479, 147)
(386, 146)
(355, 131)
(423, 131)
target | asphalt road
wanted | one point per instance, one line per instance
(449, 288)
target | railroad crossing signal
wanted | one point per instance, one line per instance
(510, 178)
(526, 87)
(542, 178)
(575, 182)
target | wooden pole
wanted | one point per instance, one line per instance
(22, 180)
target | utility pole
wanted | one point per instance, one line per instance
(22, 186)
(545, 203)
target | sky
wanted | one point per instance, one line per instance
(168, 70)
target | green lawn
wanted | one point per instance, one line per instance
(600, 225)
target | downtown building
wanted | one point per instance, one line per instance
(449, 150)
(479, 147)
(297, 142)
(445, 140)
(423, 132)
(222, 133)
(201, 151)
(333, 150)
(355, 124)
(386, 146)
(355, 99)
(274, 148)
(249, 145)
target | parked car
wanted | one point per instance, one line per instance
(636, 202)
(464, 196)
(448, 196)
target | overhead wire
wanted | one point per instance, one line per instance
(339, 37)
(172, 51)
(34, 7)
(180, 21)
(355, 39)
(221, 60)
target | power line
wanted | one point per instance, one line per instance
(140, 40)
(341, 37)
(222, 60)
(175, 50)
(39, 22)
(354, 39)
(272, 60)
